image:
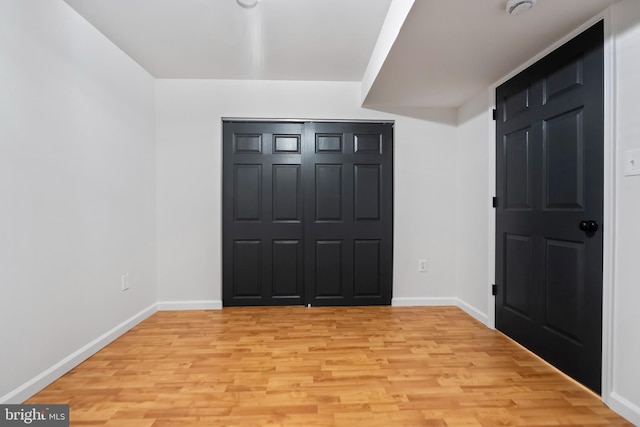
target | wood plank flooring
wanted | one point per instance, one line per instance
(297, 366)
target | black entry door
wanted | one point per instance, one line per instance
(307, 213)
(550, 206)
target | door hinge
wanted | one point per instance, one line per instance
(494, 202)
(494, 289)
(495, 114)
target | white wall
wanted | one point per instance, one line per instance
(77, 188)
(473, 206)
(188, 129)
(626, 338)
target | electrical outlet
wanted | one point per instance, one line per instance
(124, 281)
(422, 265)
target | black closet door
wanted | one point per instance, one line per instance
(348, 213)
(262, 255)
(307, 213)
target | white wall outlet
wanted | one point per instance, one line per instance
(422, 265)
(632, 162)
(124, 281)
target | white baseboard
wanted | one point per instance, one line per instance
(432, 302)
(473, 312)
(190, 305)
(45, 378)
(624, 408)
(422, 302)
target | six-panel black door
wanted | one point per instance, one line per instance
(307, 213)
(348, 213)
(550, 207)
(262, 255)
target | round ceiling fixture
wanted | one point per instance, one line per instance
(247, 4)
(518, 7)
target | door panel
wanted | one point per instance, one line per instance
(563, 80)
(564, 286)
(307, 213)
(287, 271)
(518, 275)
(284, 144)
(518, 170)
(328, 192)
(328, 143)
(328, 269)
(349, 226)
(247, 192)
(367, 143)
(246, 268)
(550, 178)
(563, 154)
(366, 182)
(515, 104)
(245, 143)
(366, 268)
(287, 193)
(262, 214)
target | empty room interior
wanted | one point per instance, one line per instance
(321, 212)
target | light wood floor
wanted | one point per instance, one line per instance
(297, 366)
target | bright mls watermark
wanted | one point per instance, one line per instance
(34, 415)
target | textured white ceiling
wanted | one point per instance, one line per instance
(446, 51)
(218, 39)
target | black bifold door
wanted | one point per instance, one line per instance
(307, 213)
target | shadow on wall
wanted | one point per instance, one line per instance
(476, 107)
(445, 116)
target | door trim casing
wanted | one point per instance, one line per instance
(298, 120)
(609, 211)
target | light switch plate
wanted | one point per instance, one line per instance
(632, 162)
